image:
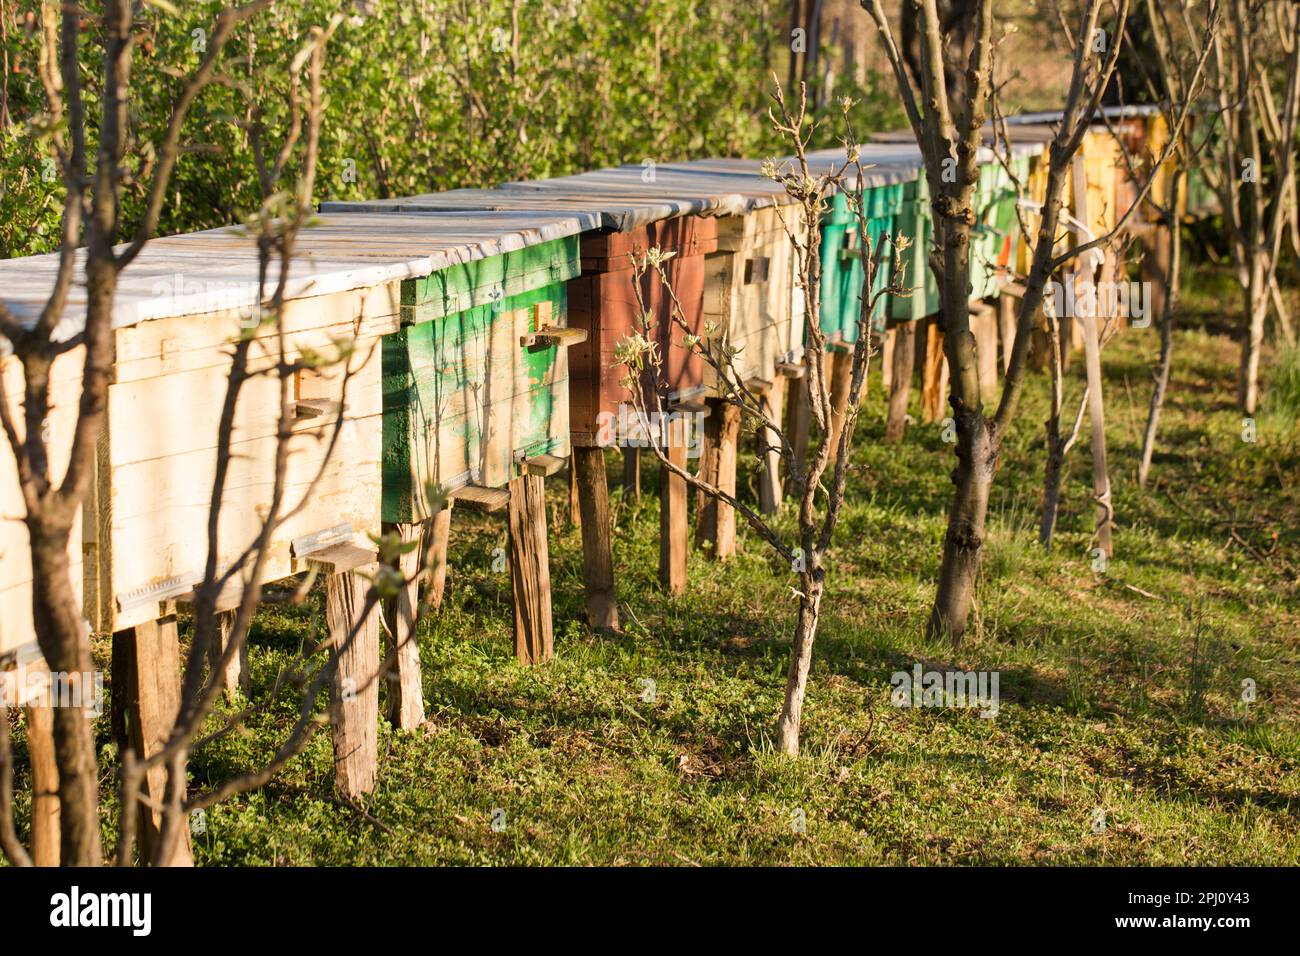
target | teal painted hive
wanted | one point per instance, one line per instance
(841, 261)
(468, 393)
(915, 222)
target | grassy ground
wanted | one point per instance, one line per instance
(1120, 690)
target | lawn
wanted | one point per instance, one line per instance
(1122, 736)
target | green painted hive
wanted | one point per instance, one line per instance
(841, 261)
(915, 222)
(997, 231)
(468, 389)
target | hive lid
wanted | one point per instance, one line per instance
(217, 269)
(595, 206)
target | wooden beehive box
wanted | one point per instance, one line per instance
(620, 216)
(749, 295)
(603, 301)
(19, 652)
(477, 381)
(180, 307)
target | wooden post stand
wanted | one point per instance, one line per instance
(631, 473)
(769, 469)
(45, 783)
(672, 513)
(984, 326)
(841, 381)
(1007, 309)
(801, 416)
(588, 466)
(530, 570)
(934, 376)
(405, 696)
(234, 677)
(354, 690)
(439, 531)
(153, 666)
(900, 380)
(715, 527)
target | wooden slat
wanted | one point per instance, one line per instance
(478, 498)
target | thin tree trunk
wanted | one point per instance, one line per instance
(1256, 311)
(964, 541)
(796, 682)
(1170, 267)
(65, 645)
(1097, 409)
(976, 448)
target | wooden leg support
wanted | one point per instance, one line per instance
(631, 473)
(405, 697)
(715, 528)
(440, 532)
(234, 677)
(984, 326)
(45, 783)
(841, 381)
(673, 522)
(588, 466)
(530, 570)
(1008, 305)
(900, 380)
(935, 374)
(153, 700)
(354, 691)
(801, 417)
(769, 469)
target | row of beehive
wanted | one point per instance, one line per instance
(455, 380)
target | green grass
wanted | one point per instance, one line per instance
(1120, 691)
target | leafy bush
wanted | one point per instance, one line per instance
(424, 95)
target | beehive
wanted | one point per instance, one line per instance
(476, 381)
(180, 308)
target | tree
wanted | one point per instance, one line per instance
(948, 132)
(92, 214)
(819, 501)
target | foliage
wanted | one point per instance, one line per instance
(427, 95)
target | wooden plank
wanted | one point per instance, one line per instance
(465, 403)
(673, 515)
(715, 526)
(45, 783)
(153, 701)
(541, 465)
(530, 572)
(405, 692)
(354, 687)
(152, 490)
(604, 302)
(478, 498)
(597, 551)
